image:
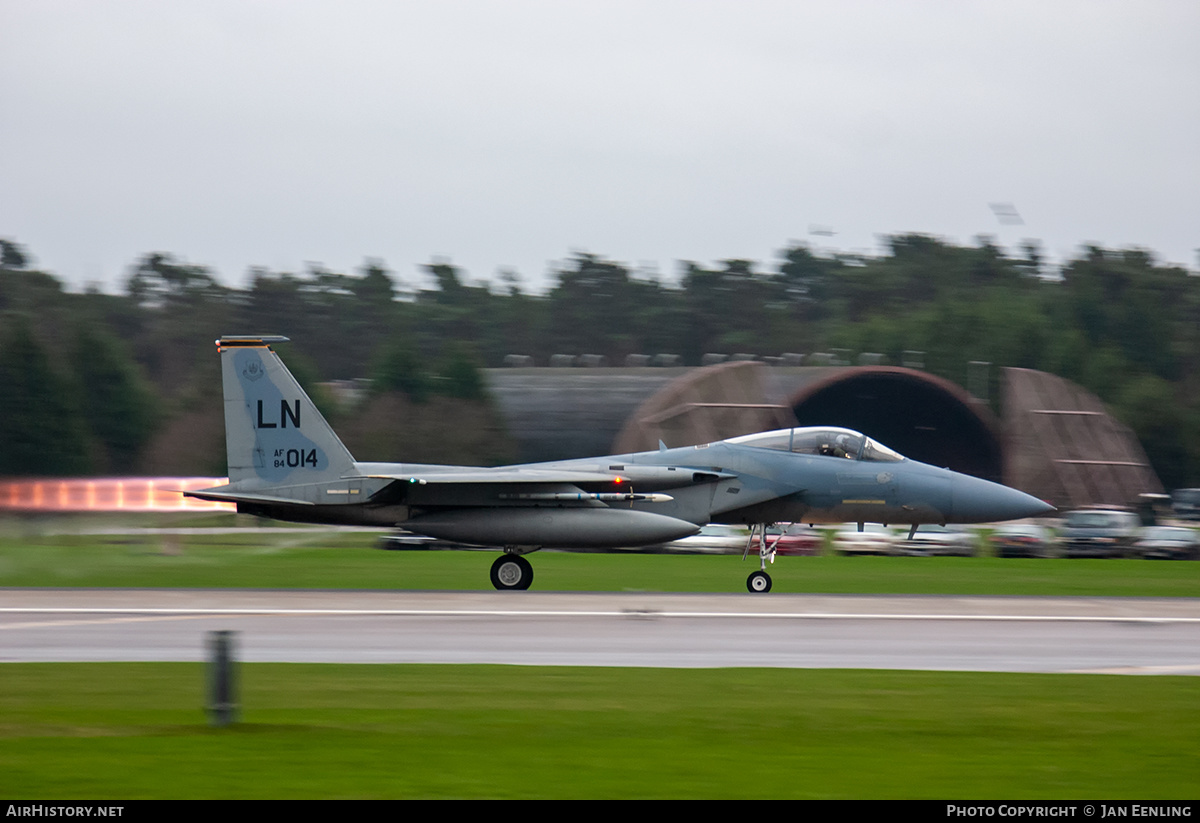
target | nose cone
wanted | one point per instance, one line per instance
(981, 501)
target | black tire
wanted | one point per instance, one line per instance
(759, 582)
(511, 572)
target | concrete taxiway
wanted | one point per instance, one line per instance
(1021, 634)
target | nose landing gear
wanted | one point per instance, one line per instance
(760, 581)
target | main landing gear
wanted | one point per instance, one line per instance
(760, 581)
(511, 572)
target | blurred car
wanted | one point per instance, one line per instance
(1168, 543)
(1153, 509)
(934, 540)
(715, 538)
(875, 538)
(1022, 540)
(1098, 533)
(1186, 503)
(795, 539)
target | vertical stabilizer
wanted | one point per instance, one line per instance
(274, 435)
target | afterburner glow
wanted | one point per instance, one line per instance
(105, 494)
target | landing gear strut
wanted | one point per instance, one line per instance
(511, 572)
(760, 581)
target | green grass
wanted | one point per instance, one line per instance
(131, 730)
(323, 559)
(123, 731)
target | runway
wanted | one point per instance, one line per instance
(1017, 634)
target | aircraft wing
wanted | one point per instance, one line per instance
(616, 475)
(498, 476)
(579, 505)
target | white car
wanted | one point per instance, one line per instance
(875, 538)
(715, 538)
(938, 540)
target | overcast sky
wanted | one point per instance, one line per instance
(508, 134)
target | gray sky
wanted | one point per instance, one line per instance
(508, 134)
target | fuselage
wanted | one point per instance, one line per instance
(774, 477)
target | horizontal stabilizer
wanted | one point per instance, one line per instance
(242, 497)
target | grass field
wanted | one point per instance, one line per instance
(124, 731)
(324, 731)
(323, 559)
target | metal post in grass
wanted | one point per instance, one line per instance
(222, 678)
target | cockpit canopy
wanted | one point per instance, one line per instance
(827, 441)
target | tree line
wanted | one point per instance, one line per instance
(95, 382)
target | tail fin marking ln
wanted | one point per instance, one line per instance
(273, 432)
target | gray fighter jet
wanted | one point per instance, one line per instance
(287, 463)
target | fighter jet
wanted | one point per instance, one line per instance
(287, 463)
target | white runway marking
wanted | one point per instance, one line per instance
(169, 612)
